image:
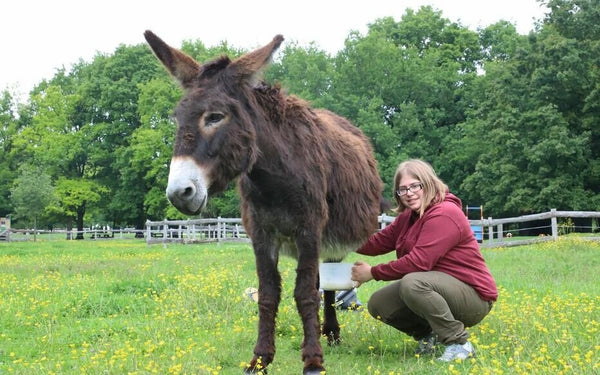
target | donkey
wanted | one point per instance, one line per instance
(307, 179)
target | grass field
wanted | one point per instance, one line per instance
(122, 307)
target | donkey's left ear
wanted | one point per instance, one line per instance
(251, 65)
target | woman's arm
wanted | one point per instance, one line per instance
(383, 241)
(437, 236)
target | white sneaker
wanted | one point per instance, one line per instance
(458, 351)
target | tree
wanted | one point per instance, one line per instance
(143, 164)
(306, 72)
(108, 115)
(567, 75)
(8, 129)
(526, 131)
(413, 76)
(72, 198)
(31, 194)
(56, 142)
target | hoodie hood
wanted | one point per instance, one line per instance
(453, 199)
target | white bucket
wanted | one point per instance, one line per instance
(336, 276)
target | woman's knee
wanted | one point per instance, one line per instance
(374, 305)
(413, 285)
(385, 302)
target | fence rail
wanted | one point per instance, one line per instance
(195, 230)
(495, 231)
(56, 234)
(221, 229)
(497, 235)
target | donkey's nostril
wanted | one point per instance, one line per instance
(188, 192)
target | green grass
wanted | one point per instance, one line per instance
(122, 307)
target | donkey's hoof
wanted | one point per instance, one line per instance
(255, 372)
(314, 372)
(333, 339)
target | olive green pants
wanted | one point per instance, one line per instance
(422, 302)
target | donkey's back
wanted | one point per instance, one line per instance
(315, 171)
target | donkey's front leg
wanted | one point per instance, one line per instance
(269, 295)
(306, 295)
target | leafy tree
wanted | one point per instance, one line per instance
(108, 113)
(414, 76)
(31, 193)
(500, 42)
(306, 72)
(464, 146)
(197, 50)
(54, 141)
(8, 128)
(527, 123)
(143, 164)
(568, 75)
(72, 197)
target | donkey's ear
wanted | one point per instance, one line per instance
(251, 65)
(181, 66)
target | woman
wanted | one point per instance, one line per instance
(442, 283)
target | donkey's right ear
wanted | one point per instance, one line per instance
(180, 65)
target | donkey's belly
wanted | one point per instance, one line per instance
(337, 251)
(330, 251)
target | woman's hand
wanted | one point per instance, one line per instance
(361, 273)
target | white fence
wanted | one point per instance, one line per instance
(223, 229)
(206, 230)
(497, 235)
(496, 232)
(61, 234)
(195, 230)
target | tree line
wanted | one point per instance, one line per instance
(510, 122)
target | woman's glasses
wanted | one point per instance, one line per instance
(413, 188)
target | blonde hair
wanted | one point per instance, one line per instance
(434, 189)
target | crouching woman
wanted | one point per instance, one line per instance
(440, 281)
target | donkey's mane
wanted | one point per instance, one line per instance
(280, 106)
(215, 66)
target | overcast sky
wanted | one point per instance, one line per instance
(39, 36)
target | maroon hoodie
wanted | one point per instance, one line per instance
(442, 240)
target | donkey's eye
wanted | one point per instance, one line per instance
(213, 118)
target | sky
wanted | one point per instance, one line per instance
(37, 37)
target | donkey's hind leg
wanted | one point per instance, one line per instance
(331, 326)
(306, 294)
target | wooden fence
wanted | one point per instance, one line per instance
(195, 230)
(495, 232)
(497, 235)
(223, 229)
(61, 234)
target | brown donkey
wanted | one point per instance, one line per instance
(307, 178)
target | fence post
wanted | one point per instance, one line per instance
(219, 236)
(554, 224)
(500, 232)
(490, 231)
(148, 231)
